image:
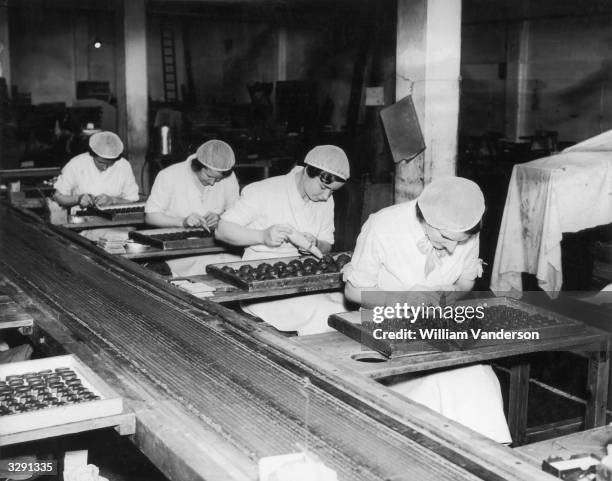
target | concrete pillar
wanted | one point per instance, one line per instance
(5, 57)
(428, 57)
(517, 81)
(133, 111)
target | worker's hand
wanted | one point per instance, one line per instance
(312, 241)
(275, 235)
(103, 200)
(85, 200)
(211, 219)
(195, 220)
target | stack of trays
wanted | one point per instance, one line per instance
(114, 246)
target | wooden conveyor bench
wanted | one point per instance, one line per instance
(210, 391)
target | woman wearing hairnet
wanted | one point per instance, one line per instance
(99, 177)
(430, 245)
(275, 216)
(194, 193)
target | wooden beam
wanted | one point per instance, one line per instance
(517, 80)
(281, 56)
(517, 404)
(427, 66)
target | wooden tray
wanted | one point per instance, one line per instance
(555, 325)
(174, 238)
(326, 280)
(134, 211)
(110, 403)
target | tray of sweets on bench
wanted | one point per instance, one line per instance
(500, 313)
(133, 211)
(283, 272)
(51, 392)
(174, 238)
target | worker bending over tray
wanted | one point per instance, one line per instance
(194, 193)
(428, 246)
(275, 216)
(99, 177)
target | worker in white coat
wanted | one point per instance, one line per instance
(424, 247)
(194, 193)
(272, 213)
(100, 177)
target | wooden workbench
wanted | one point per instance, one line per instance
(150, 252)
(97, 222)
(227, 292)
(343, 351)
(591, 441)
(210, 391)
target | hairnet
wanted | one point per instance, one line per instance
(106, 144)
(454, 204)
(216, 154)
(331, 159)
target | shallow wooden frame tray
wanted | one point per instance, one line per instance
(152, 237)
(562, 326)
(326, 280)
(110, 404)
(111, 212)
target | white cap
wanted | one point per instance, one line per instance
(329, 158)
(454, 204)
(217, 155)
(106, 144)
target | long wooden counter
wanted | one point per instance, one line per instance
(212, 392)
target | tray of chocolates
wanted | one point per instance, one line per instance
(283, 272)
(50, 392)
(496, 320)
(133, 211)
(174, 238)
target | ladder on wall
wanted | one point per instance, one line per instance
(169, 63)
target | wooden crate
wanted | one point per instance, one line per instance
(553, 325)
(324, 280)
(110, 403)
(174, 238)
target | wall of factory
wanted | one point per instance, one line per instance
(52, 49)
(568, 85)
(228, 56)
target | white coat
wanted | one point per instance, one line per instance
(387, 257)
(277, 201)
(177, 192)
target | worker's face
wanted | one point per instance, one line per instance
(208, 176)
(444, 240)
(318, 191)
(101, 163)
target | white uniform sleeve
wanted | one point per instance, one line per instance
(159, 200)
(247, 208)
(472, 266)
(232, 192)
(365, 264)
(129, 191)
(326, 233)
(66, 183)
